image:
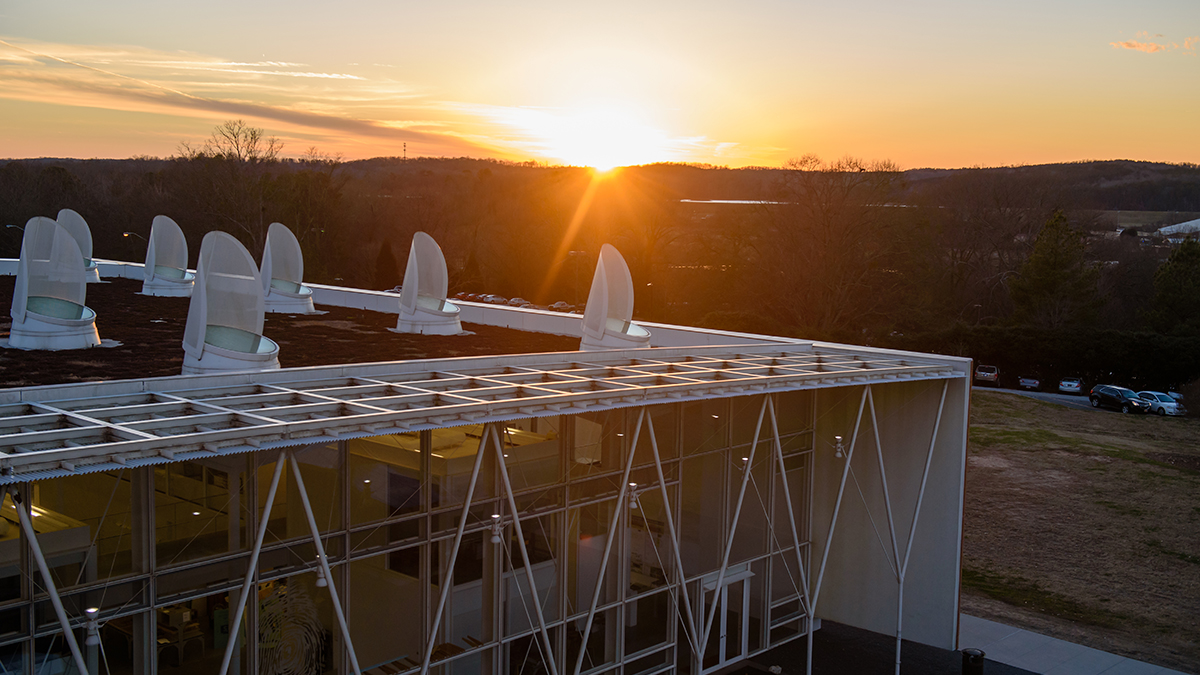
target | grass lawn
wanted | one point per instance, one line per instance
(1085, 525)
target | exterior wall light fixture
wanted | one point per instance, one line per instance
(93, 626)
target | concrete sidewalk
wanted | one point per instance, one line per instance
(1046, 655)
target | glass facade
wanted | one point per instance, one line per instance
(162, 551)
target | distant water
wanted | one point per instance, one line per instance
(727, 201)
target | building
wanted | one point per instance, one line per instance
(558, 512)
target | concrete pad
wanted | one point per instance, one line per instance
(980, 633)
(1016, 645)
(1088, 662)
(1131, 667)
(1049, 655)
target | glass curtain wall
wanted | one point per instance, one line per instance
(577, 563)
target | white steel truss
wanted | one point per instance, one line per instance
(899, 565)
(61, 430)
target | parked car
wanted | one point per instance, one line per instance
(494, 299)
(1163, 404)
(1070, 385)
(518, 302)
(562, 306)
(1117, 398)
(1030, 383)
(987, 375)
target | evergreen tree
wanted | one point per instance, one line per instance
(1176, 306)
(1056, 286)
(387, 273)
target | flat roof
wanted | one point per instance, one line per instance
(60, 430)
(150, 330)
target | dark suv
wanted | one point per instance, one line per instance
(1117, 398)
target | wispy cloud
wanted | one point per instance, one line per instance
(138, 80)
(1148, 47)
(1151, 47)
(362, 107)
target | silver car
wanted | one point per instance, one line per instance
(1070, 385)
(1162, 403)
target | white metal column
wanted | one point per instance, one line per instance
(805, 599)
(887, 505)
(512, 505)
(462, 524)
(902, 565)
(837, 506)
(329, 580)
(618, 508)
(252, 566)
(48, 581)
(662, 486)
(737, 514)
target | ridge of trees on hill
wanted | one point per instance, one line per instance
(1020, 267)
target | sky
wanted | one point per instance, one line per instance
(922, 83)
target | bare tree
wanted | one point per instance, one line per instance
(229, 179)
(829, 232)
(236, 141)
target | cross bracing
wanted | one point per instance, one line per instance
(59, 430)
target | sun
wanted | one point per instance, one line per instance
(601, 138)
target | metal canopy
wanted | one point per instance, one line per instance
(65, 429)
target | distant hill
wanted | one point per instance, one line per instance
(1113, 185)
(1110, 185)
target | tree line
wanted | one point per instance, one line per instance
(1021, 267)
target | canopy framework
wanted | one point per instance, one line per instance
(59, 430)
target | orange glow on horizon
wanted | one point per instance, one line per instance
(602, 137)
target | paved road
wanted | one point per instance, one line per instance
(1070, 400)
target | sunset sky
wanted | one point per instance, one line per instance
(922, 83)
